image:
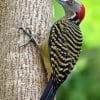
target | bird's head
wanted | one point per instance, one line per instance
(72, 7)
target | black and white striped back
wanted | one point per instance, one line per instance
(65, 43)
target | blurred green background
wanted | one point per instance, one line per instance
(84, 81)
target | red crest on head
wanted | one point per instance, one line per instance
(81, 13)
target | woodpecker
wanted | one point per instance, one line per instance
(61, 48)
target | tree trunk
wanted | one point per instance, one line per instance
(22, 74)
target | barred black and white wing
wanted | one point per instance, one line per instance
(65, 42)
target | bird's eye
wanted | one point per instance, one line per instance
(70, 2)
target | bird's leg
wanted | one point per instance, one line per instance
(28, 32)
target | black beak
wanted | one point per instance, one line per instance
(62, 1)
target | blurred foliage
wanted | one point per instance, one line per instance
(84, 81)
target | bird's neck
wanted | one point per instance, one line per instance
(73, 17)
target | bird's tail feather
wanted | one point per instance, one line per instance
(49, 91)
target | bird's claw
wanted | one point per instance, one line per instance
(28, 32)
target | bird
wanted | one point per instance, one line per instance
(61, 48)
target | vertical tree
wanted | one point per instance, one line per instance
(22, 75)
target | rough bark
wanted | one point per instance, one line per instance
(22, 75)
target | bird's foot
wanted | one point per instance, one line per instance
(28, 32)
